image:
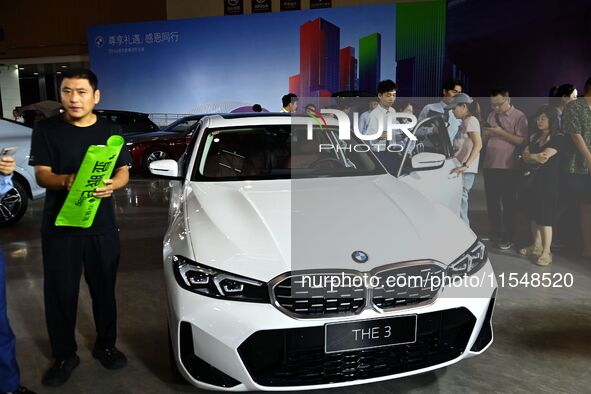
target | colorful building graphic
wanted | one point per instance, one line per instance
(420, 53)
(294, 84)
(370, 55)
(348, 69)
(319, 57)
(325, 68)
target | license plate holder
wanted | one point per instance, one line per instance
(369, 334)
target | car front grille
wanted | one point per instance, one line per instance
(296, 295)
(413, 285)
(296, 357)
(336, 293)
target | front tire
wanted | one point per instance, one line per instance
(13, 204)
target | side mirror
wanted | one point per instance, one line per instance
(426, 161)
(165, 168)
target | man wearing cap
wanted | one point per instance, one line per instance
(508, 130)
(470, 142)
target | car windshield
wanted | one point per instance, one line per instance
(130, 122)
(181, 126)
(280, 152)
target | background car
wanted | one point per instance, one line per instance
(131, 123)
(13, 204)
(168, 143)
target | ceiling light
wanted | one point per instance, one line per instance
(21, 68)
(35, 73)
(63, 66)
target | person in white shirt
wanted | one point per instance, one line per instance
(450, 89)
(379, 117)
(290, 103)
(364, 118)
(467, 110)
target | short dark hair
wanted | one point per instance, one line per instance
(288, 98)
(386, 86)
(257, 108)
(450, 84)
(564, 90)
(588, 85)
(81, 73)
(558, 92)
(499, 92)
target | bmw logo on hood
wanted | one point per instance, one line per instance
(360, 257)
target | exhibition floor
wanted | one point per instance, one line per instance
(542, 335)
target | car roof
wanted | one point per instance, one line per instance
(118, 112)
(257, 119)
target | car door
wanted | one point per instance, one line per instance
(438, 184)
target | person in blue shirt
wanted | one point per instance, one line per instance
(9, 373)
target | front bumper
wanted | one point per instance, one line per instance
(238, 346)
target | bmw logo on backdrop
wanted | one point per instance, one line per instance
(99, 41)
(360, 257)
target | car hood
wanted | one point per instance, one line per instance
(159, 135)
(261, 229)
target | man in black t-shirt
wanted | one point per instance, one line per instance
(57, 150)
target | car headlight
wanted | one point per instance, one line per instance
(470, 262)
(218, 284)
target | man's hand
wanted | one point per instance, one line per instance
(492, 131)
(7, 165)
(104, 192)
(69, 181)
(459, 170)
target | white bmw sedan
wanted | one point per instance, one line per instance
(294, 261)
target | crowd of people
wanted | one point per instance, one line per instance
(537, 167)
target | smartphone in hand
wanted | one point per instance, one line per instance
(10, 151)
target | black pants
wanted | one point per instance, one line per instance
(501, 201)
(63, 259)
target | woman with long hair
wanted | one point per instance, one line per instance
(540, 191)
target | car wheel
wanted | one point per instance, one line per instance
(13, 204)
(154, 155)
(177, 377)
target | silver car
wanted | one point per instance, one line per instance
(13, 204)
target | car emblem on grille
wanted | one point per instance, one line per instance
(360, 257)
